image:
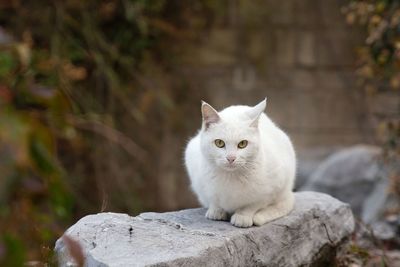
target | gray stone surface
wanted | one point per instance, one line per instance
(354, 175)
(309, 236)
(308, 161)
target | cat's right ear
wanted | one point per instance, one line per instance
(210, 115)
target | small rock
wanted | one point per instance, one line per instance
(383, 231)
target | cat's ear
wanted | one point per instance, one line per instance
(255, 112)
(210, 115)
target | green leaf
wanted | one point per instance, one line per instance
(60, 198)
(15, 251)
(42, 157)
(7, 63)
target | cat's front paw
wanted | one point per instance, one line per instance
(264, 216)
(216, 214)
(260, 219)
(240, 220)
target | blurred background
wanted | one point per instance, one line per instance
(98, 99)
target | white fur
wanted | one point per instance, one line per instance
(257, 187)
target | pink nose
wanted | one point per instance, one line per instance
(231, 159)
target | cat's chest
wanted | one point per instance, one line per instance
(232, 192)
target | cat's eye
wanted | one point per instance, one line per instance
(219, 143)
(242, 144)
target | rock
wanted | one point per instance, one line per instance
(388, 230)
(308, 161)
(309, 236)
(304, 170)
(354, 175)
(383, 231)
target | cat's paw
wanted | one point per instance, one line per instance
(240, 220)
(216, 214)
(260, 219)
(264, 216)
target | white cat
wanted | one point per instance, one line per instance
(241, 163)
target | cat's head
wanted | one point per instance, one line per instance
(230, 138)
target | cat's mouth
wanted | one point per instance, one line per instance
(230, 167)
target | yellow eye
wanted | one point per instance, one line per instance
(242, 144)
(219, 143)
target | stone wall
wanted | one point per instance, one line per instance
(300, 54)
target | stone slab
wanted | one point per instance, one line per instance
(308, 236)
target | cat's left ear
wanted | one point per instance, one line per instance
(255, 112)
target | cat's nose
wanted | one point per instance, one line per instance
(231, 158)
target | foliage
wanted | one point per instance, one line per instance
(72, 79)
(379, 70)
(33, 194)
(365, 249)
(380, 56)
(379, 66)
